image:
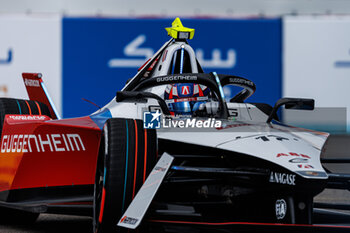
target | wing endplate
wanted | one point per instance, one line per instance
(137, 209)
(37, 91)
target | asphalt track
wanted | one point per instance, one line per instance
(74, 224)
(337, 147)
(48, 223)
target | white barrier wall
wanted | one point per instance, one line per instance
(161, 8)
(30, 44)
(316, 60)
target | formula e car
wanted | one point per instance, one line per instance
(168, 149)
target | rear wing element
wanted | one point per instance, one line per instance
(37, 91)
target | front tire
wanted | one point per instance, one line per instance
(128, 154)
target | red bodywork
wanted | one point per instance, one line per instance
(37, 152)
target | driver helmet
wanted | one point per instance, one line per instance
(185, 98)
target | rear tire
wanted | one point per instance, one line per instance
(21, 107)
(128, 155)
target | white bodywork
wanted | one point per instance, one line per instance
(247, 134)
(243, 135)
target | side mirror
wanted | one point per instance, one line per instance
(292, 103)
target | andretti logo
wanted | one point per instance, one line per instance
(24, 143)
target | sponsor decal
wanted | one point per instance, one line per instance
(186, 99)
(28, 117)
(298, 160)
(161, 169)
(293, 154)
(281, 208)
(129, 220)
(164, 55)
(185, 90)
(176, 78)
(233, 112)
(28, 143)
(31, 82)
(266, 138)
(282, 178)
(241, 81)
(306, 166)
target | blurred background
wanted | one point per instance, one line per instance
(89, 48)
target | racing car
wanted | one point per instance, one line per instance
(170, 148)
